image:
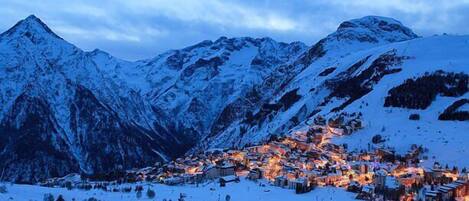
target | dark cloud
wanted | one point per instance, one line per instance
(142, 29)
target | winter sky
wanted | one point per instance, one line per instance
(138, 29)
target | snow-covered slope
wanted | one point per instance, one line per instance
(197, 83)
(60, 109)
(91, 112)
(245, 190)
(205, 87)
(353, 70)
(308, 72)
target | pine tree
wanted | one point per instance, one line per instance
(60, 198)
(150, 194)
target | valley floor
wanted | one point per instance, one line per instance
(244, 191)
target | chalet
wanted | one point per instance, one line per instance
(462, 188)
(445, 193)
(455, 190)
(329, 179)
(193, 178)
(255, 174)
(362, 167)
(291, 183)
(354, 187)
(281, 181)
(227, 179)
(312, 175)
(226, 170)
(464, 176)
(386, 154)
(393, 190)
(432, 195)
(366, 193)
(364, 157)
(211, 172)
(173, 181)
(300, 185)
(409, 179)
(436, 175)
(216, 171)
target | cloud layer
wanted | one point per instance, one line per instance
(142, 29)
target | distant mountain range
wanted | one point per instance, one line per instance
(66, 110)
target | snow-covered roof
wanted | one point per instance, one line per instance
(229, 178)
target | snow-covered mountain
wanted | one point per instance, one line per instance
(61, 112)
(67, 110)
(299, 97)
(200, 84)
(378, 68)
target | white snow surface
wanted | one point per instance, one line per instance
(447, 141)
(243, 191)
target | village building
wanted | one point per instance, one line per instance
(193, 178)
(173, 181)
(217, 171)
(281, 181)
(366, 193)
(432, 195)
(255, 174)
(306, 159)
(393, 190)
(462, 188)
(227, 179)
(300, 185)
(447, 192)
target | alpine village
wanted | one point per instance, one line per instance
(301, 162)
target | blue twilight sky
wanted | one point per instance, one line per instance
(138, 29)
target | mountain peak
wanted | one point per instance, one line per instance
(30, 26)
(368, 21)
(374, 29)
(32, 18)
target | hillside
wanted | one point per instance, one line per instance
(359, 79)
(75, 111)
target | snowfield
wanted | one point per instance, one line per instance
(447, 141)
(243, 191)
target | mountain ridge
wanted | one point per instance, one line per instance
(107, 114)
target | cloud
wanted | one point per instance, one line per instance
(141, 29)
(219, 13)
